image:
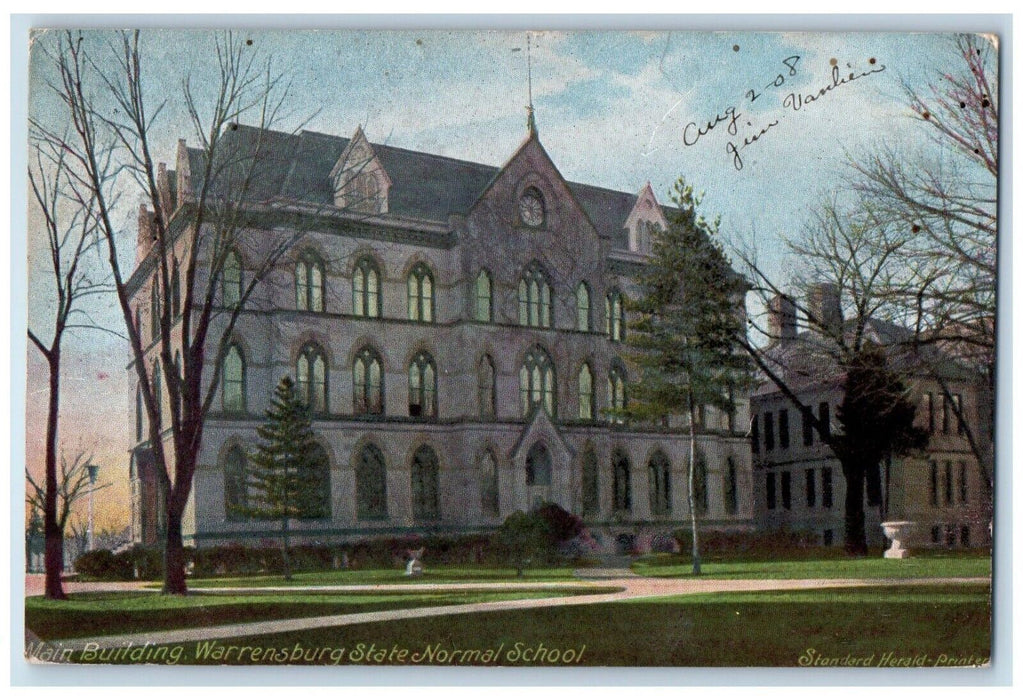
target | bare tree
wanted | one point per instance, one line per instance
(71, 227)
(947, 195)
(200, 259)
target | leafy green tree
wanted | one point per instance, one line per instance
(525, 538)
(877, 418)
(286, 475)
(687, 329)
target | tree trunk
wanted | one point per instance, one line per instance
(174, 556)
(855, 519)
(692, 482)
(54, 558)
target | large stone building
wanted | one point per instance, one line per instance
(458, 330)
(799, 485)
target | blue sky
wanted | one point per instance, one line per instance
(612, 109)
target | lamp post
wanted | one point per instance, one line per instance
(93, 471)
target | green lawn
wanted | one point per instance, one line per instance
(99, 614)
(926, 566)
(438, 574)
(918, 624)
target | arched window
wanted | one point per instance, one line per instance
(586, 392)
(236, 496)
(534, 298)
(538, 475)
(487, 395)
(367, 382)
(483, 297)
(659, 469)
(425, 486)
(582, 307)
(591, 482)
(420, 294)
(700, 483)
(621, 481)
(488, 485)
(614, 316)
(175, 290)
(233, 380)
(154, 314)
(309, 282)
(232, 279)
(422, 387)
(537, 382)
(731, 488)
(311, 371)
(315, 492)
(616, 400)
(366, 288)
(371, 484)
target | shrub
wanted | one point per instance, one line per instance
(562, 525)
(103, 564)
(525, 539)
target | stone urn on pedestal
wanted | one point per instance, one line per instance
(899, 532)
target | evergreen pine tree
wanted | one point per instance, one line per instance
(686, 329)
(286, 474)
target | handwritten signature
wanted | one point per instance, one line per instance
(744, 132)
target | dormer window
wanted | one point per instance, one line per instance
(360, 183)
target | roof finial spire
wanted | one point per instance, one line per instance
(530, 119)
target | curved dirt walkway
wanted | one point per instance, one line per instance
(620, 589)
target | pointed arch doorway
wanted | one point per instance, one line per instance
(538, 475)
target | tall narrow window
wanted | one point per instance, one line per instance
(964, 491)
(783, 429)
(614, 315)
(422, 387)
(621, 481)
(957, 403)
(483, 300)
(585, 392)
(786, 490)
(807, 427)
(232, 279)
(659, 470)
(824, 415)
(616, 393)
(934, 484)
(731, 488)
(420, 294)
(534, 298)
(537, 382)
(929, 412)
(371, 484)
(309, 282)
(487, 388)
(768, 431)
(489, 496)
(582, 307)
(154, 314)
(175, 290)
(948, 484)
(591, 481)
(234, 380)
(811, 488)
(425, 485)
(700, 483)
(367, 382)
(827, 488)
(236, 497)
(311, 372)
(754, 434)
(366, 288)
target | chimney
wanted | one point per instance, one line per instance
(781, 318)
(184, 171)
(824, 307)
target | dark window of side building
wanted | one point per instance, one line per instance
(371, 484)
(934, 484)
(783, 429)
(935, 534)
(829, 538)
(754, 434)
(946, 414)
(659, 469)
(929, 412)
(771, 497)
(420, 294)
(621, 482)
(768, 431)
(964, 535)
(425, 486)
(731, 488)
(964, 491)
(824, 415)
(700, 483)
(948, 484)
(811, 488)
(807, 427)
(786, 490)
(827, 488)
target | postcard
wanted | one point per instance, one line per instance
(548, 349)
